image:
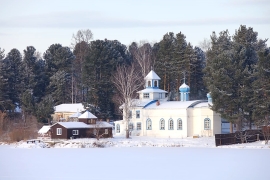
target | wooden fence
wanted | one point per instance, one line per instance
(238, 137)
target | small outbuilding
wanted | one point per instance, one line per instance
(44, 131)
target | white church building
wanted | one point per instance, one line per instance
(153, 115)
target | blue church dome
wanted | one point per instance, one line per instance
(184, 88)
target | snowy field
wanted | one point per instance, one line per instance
(135, 159)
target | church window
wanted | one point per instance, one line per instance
(139, 126)
(130, 114)
(137, 114)
(162, 124)
(155, 84)
(117, 128)
(170, 124)
(130, 126)
(179, 124)
(207, 124)
(145, 95)
(148, 124)
(149, 84)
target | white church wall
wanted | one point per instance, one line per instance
(217, 124)
(157, 114)
(190, 120)
(199, 115)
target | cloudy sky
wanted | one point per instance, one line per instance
(41, 23)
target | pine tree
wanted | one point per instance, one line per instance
(229, 74)
(261, 89)
(164, 61)
(12, 73)
(101, 62)
(59, 63)
(5, 102)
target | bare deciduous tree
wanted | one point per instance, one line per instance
(127, 81)
(205, 44)
(142, 53)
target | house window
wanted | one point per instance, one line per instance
(75, 132)
(149, 84)
(160, 95)
(146, 95)
(170, 124)
(148, 124)
(106, 131)
(95, 132)
(139, 126)
(155, 84)
(162, 124)
(179, 124)
(59, 131)
(117, 128)
(130, 126)
(137, 114)
(207, 124)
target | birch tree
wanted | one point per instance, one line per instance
(127, 81)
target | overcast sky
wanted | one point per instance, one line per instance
(41, 23)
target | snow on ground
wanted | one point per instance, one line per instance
(206, 142)
(145, 163)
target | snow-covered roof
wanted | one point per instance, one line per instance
(203, 104)
(69, 107)
(44, 129)
(102, 124)
(174, 104)
(75, 115)
(70, 125)
(141, 103)
(87, 115)
(152, 90)
(152, 75)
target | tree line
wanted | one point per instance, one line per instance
(235, 69)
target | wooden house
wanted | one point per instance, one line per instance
(73, 130)
(62, 112)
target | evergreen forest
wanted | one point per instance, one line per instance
(234, 68)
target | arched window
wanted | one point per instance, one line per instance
(148, 124)
(149, 84)
(179, 124)
(117, 128)
(155, 84)
(170, 124)
(162, 124)
(207, 124)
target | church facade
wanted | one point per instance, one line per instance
(153, 115)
